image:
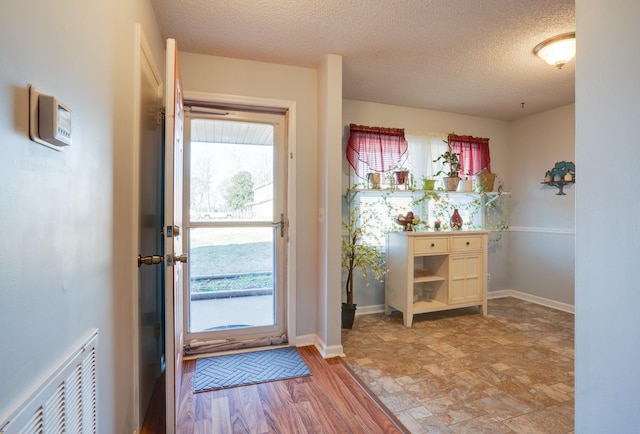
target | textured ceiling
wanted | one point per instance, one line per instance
(462, 56)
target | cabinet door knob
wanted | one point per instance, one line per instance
(433, 245)
(468, 243)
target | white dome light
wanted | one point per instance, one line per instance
(557, 50)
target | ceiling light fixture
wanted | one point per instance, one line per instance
(557, 50)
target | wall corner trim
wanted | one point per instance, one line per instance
(558, 305)
(325, 351)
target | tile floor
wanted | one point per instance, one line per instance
(457, 372)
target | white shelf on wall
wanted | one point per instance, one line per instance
(399, 192)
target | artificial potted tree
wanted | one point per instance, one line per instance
(450, 159)
(356, 254)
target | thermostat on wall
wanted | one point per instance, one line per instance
(49, 120)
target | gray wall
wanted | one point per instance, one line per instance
(607, 224)
(541, 239)
(66, 259)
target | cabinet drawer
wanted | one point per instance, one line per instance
(431, 245)
(462, 244)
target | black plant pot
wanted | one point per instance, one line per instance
(348, 315)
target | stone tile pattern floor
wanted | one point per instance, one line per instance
(459, 372)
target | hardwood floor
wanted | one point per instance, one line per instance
(453, 372)
(154, 420)
(328, 401)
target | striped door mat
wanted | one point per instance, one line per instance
(221, 372)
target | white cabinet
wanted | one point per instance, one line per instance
(434, 271)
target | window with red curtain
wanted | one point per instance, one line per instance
(375, 149)
(473, 153)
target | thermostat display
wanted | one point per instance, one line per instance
(49, 120)
(54, 121)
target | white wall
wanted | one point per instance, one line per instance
(607, 224)
(65, 260)
(265, 80)
(542, 233)
(424, 121)
(329, 212)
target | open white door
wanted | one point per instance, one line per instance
(174, 123)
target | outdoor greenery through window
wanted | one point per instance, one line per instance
(230, 182)
(226, 183)
(234, 247)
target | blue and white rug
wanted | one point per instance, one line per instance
(233, 370)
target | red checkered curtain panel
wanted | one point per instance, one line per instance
(474, 153)
(375, 149)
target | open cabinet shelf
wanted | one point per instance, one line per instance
(435, 271)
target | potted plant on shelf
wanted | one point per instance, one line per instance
(450, 159)
(356, 254)
(401, 176)
(483, 181)
(428, 183)
(465, 184)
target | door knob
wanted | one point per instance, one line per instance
(156, 259)
(180, 258)
(149, 260)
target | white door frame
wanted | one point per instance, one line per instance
(279, 150)
(290, 108)
(174, 276)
